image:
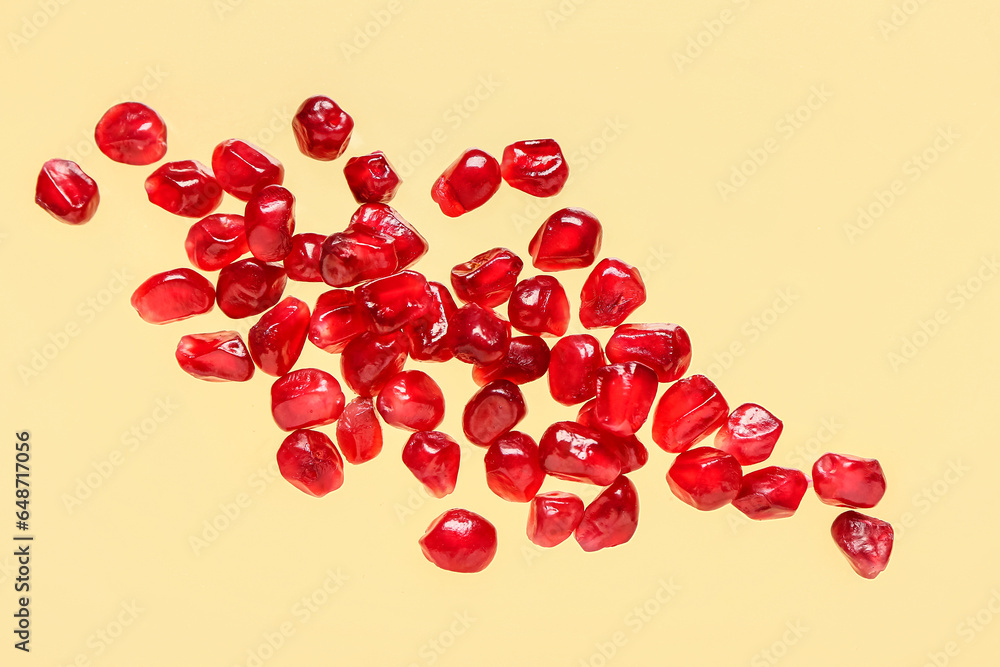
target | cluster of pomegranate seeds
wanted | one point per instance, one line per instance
(381, 312)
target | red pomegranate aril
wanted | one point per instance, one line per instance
(688, 412)
(553, 516)
(215, 357)
(306, 397)
(611, 518)
(394, 301)
(216, 241)
(631, 453)
(336, 320)
(352, 257)
(322, 129)
(132, 133)
(270, 222)
(302, 261)
(526, 360)
(380, 219)
(865, 541)
(512, 469)
(492, 411)
(477, 335)
(467, 183)
(411, 400)
(428, 336)
(771, 493)
(750, 434)
(624, 393)
(371, 178)
(433, 458)
(249, 287)
(66, 192)
(848, 481)
(358, 432)
(460, 541)
(310, 462)
(277, 339)
(705, 478)
(574, 452)
(369, 361)
(570, 238)
(536, 166)
(611, 293)
(666, 348)
(488, 278)
(186, 188)
(539, 306)
(572, 368)
(172, 296)
(242, 169)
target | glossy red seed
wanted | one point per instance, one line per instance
(570, 238)
(215, 357)
(371, 178)
(539, 306)
(848, 481)
(611, 518)
(460, 541)
(771, 493)
(369, 361)
(552, 517)
(611, 293)
(572, 367)
(270, 222)
(351, 257)
(574, 452)
(666, 348)
(277, 339)
(433, 458)
(322, 129)
(428, 335)
(624, 395)
(249, 287)
(306, 397)
(336, 319)
(242, 169)
(394, 301)
(310, 462)
(185, 188)
(512, 469)
(865, 541)
(358, 432)
(66, 192)
(172, 296)
(488, 278)
(526, 360)
(750, 434)
(383, 220)
(688, 412)
(631, 453)
(705, 478)
(467, 183)
(302, 261)
(216, 241)
(132, 133)
(492, 411)
(411, 400)
(536, 166)
(477, 335)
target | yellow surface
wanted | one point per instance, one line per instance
(726, 146)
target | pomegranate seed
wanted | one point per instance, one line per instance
(848, 481)
(666, 348)
(242, 169)
(526, 360)
(477, 336)
(492, 411)
(539, 306)
(749, 434)
(277, 339)
(428, 336)
(270, 222)
(172, 296)
(552, 517)
(306, 397)
(631, 453)
(132, 133)
(611, 293)
(771, 493)
(512, 469)
(322, 129)
(302, 262)
(215, 357)
(624, 395)
(460, 541)
(433, 458)
(865, 541)
(186, 188)
(249, 287)
(311, 463)
(369, 361)
(411, 400)
(467, 183)
(573, 367)
(216, 241)
(336, 320)
(611, 518)
(574, 452)
(488, 278)
(381, 219)
(688, 412)
(66, 192)
(351, 257)
(371, 178)
(536, 167)
(705, 478)
(570, 238)
(358, 432)
(393, 301)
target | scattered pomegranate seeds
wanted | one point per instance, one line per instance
(249, 287)
(750, 434)
(553, 516)
(66, 192)
(612, 292)
(570, 238)
(278, 337)
(488, 278)
(270, 222)
(310, 462)
(433, 458)
(394, 301)
(476, 335)
(526, 360)
(322, 129)
(306, 397)
(492, 411)
(539, 306)
(460, 541)
(411, 400)
(427, 335)
(302, 261)
(631, 453)
(216, 357)
(358, 432)
(688, 412)
(186, 188)
(379, 219)
(771, 493)
(611, 518)
(369, 361)
(512, 469)
(665, 348)
(355, 256)
(574, 452)
(242, 169)
(624, 394)
(705, 478)
(371, 178)
(572, 368)
(336, 320)
(132, 133)
(216, 241)
(467, 183)
(172, 296)
(848, 481)
(536, 167)
(865, 541)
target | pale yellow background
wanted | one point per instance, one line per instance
(650, 136)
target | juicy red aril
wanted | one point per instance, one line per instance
(311, 463)
(242, 169)
(358, 432)
(848, 481)
(526, 360)
(688, 412)
(631, 453)
(433, 458)
(570, 238)
(394, 301)
(612, 292)
(666, 348)
(865, 541)
(574, 452)
(539, 306)
(383, 220)
(173, 295)
(572, 367)
(611, 518)
(477, 336)
(322, 129)
(536, 167)
(428, 335)
(302, 261)
(270, 222)
(512, 469)
(276, 340)
(371, 178)
(369, 361)
(552, 517)
(705, 478)
(749, 434)
(185, 188)
(249, 287)
(771, 493)
(624, 395)
(306, 397)
(215, 357)
(467, 183)
(492, 411)
(460, 541)
(411, 400)
(131, 133)
(66, 192)
(216, 241)
(351, 257)
(488, 278)
(336, 319)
